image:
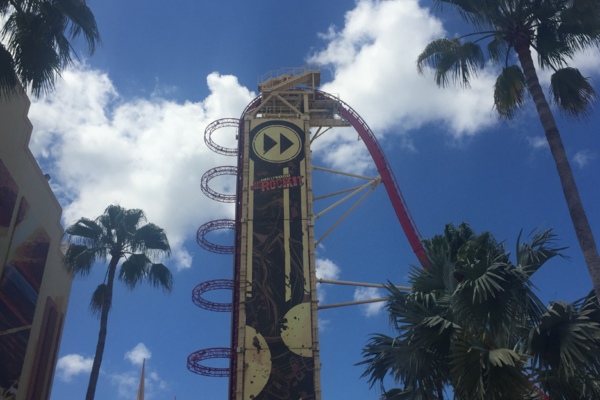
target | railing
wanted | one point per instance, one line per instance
(288, 71)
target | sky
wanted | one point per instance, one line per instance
(126, 126)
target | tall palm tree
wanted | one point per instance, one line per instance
(118, 234)
(36, 36)
(472, 322)
(556, 30)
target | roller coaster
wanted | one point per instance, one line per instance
(274, 352)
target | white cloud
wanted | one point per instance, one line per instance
(138, 354)
(375, 71)
(583, 158)
(368, 293)
(103, 149)
(327, 269)
(72, 365)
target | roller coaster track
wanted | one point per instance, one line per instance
(387, 176)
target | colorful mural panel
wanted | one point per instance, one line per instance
(19, 288)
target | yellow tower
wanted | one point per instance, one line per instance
(274, 348)
(275, 319)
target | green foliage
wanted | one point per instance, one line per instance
(509, 91)
(573, 93)
(472, 322)
(556, 29)
(117, 235)
(36, 46)
(120, 233)
(451, 57)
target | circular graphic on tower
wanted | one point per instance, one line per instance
(277, 143)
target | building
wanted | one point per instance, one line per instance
(34, 286)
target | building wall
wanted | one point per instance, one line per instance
(34, 286)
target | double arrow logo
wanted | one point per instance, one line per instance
(277, 143)
(269, 143)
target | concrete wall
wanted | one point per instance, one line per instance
(34, 286)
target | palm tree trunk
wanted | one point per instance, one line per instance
(583, 231)
(91, 390)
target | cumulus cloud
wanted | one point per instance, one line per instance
(369, 293)
(138, 153)
(327, 269)
(375, 71)
(138, 354)
(72, 365)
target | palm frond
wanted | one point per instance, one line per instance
(580, 24)
(133, 218)
(572, 92)
(551, 47)
(542, 248)
(159, 276)
(451, 60)
(8, 78)
(98, 297)
(134, 270)
(32, 47)
(150, 238)
(509, 91)
(565, 341)
(482, 372)
(85, 231)
(497, 49)
(416, 368)
(82, 21)
(80, 258)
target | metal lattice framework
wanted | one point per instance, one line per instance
(213, 173)
(218, 124)
(387, 176)
(213, 226)
(207, 286)
(194, 362)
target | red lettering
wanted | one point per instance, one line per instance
(264, 185)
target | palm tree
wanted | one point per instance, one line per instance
(37, 46)
(472, 323)
(556, 30)
(115, 235)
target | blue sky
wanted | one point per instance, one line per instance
(126, 126)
